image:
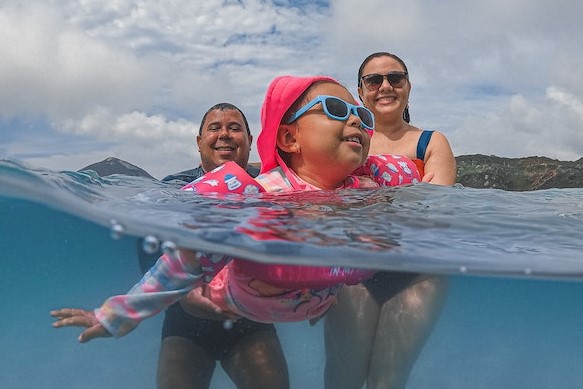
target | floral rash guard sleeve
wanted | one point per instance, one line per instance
(165, 283)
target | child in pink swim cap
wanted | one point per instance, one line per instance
(314, 137)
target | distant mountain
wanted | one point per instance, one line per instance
(474, 171)
(113, 165)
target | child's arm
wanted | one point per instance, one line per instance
(168, 280)
(165, 283)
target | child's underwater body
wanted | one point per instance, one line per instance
(313, 137)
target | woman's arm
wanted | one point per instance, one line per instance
(439, 161)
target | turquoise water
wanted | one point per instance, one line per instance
(512, 319)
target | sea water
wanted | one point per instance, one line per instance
(513, 317)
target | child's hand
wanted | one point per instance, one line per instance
(69, 317)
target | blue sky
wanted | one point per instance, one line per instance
(84, 80)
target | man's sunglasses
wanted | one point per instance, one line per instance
(337, 109)
(374, 81)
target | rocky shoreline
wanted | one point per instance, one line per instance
(518, 174)
(474, 171)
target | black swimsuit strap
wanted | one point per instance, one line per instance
(422, 144)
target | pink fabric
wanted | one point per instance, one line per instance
(315, 277)
(231, 290)
(281, 94)
(262, 228)
(390, 170)
(385, 170)
(227, 178)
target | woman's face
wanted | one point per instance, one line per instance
(387, 102)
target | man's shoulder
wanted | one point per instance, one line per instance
(185, 176)
(252, 170)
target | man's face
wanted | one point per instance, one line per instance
(224, 138)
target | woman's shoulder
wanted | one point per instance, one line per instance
(430, 138)
(430, 132)
(437, 139)
(433, 147)
(439, 160)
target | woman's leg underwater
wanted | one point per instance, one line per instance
(349, 330)
(405, 323)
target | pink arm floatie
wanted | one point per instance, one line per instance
(390, 170)
(225, 179)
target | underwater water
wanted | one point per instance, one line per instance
(512, 319)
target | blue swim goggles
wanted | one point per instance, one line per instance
(337, 109)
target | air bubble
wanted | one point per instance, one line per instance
(151, 244)
(169, 248)
(228, 324)
(463, 269)
(117, 230)
(528, 271)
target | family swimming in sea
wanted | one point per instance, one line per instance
(314, 136)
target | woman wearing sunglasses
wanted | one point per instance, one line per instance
(376, 331)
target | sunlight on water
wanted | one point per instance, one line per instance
(69, 239)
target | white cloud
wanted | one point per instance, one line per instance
(496, 77)
(53, 69)
(568, 100)
(134, 126)
(525, 127)
(149, 141)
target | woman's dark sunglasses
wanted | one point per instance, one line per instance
(338, 109)
(374, 81)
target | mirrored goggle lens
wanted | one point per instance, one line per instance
(366, 117)
(340, 110)
(336, 107)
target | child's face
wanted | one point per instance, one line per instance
(329, 149)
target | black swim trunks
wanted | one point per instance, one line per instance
(209, 334)
(384, 285)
